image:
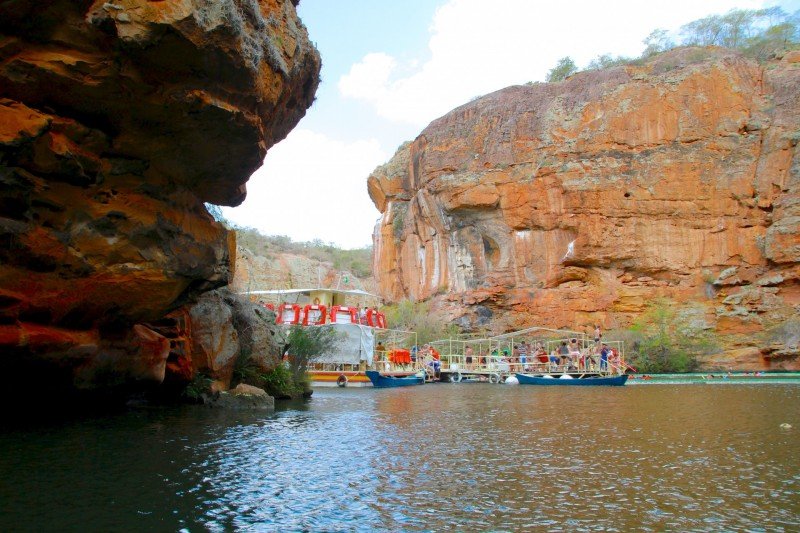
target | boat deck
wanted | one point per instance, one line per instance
(454, 368)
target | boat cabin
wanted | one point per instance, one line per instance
(318, 306)
(364, 342)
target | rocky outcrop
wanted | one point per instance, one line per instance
(227, 327)
(118, 120)
(243, 397)
(581, 202)
(284, 270)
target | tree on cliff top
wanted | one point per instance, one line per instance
(564, 67)
(658, 41)
(757, 33)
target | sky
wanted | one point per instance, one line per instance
(389, 68)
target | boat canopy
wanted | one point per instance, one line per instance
(355, 343)
(353, 292)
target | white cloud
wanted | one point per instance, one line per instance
(369, 77)
(478, 47)
(313, 187)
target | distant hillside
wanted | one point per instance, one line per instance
(277, 262)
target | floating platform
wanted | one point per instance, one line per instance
(715, 378)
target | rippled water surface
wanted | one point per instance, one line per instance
(469, 457)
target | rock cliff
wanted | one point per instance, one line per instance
(580, 202)
(285, 270)
(118, 120)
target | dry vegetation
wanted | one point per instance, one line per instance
(757, 33)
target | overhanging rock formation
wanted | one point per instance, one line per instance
(118, 120)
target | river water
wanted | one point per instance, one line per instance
(467, 457)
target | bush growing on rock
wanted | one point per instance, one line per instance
(289, 379)
(564, 68)
(757, 33)
(664, 340)
(418, 316)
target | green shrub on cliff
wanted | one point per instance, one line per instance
(665, 340)
(417, 316)
(564, 68)
(757, 33)
(289, 379)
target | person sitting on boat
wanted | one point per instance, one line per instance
(554, 359)
(435, 358)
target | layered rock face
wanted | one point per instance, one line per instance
(118, 120)
(291, 271)
(581, 202)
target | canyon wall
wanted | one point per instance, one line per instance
(581, 202)
(286, 270)
(118, 120)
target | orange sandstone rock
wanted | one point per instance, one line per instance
(118, 120)
(581, 202)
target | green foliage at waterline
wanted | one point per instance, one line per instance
(667, 339)
(289, 379)
(198, 387)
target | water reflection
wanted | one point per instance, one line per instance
(473, 456)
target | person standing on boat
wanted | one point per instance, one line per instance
(380, 350)
(523, 355)
(597, 334)
(468, 357)
(563, 351)
(604, 358)
(574, 352)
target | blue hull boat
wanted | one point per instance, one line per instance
(379, 381)
(613, 381)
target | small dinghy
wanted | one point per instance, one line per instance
(380, 381)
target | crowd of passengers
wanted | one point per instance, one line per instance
(534, 357)
(527, 357)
